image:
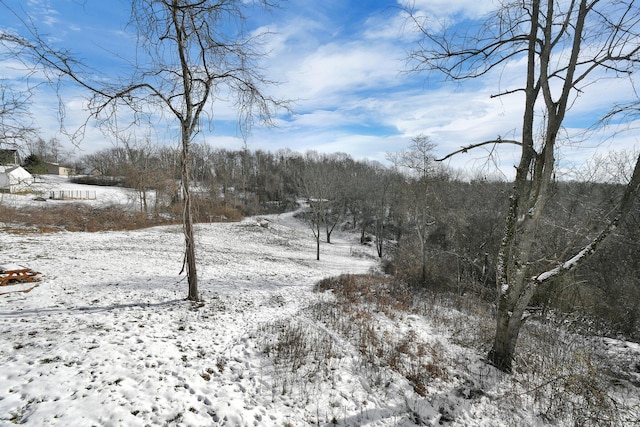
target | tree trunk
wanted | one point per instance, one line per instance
(379, 238)
(516, 243)
(318, 243)
(144, 201)
(190, 250)
(511, 317)
(423, 248)
(504, 344)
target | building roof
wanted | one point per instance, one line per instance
(15, 171)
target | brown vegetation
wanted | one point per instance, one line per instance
(355, 314)
(75, 217)
(80, 217)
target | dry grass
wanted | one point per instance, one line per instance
(382, 293)
(301, 355)
(566, 380)
(559, 377)
(355, 314)
(81, 217)
(75, 217)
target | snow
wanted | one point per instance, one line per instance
(98, 195)
(11, 267)
(107, 338)
(567, 265)
(547, 275)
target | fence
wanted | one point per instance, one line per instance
(73, 195)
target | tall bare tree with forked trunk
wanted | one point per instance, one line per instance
(567, 46)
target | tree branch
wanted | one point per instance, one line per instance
(624, 206)
(498, 140)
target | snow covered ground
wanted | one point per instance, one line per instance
(107, 338)
(93, 195)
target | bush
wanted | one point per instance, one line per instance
(354, 313)
(106, 181)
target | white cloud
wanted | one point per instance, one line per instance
(44, 12)
(450, 10)
(390, 24)
(344, 67)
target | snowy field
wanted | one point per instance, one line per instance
(107, 338)
(93, 195)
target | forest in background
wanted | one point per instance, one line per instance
(432, 227)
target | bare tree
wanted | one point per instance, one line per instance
(16, 125)
(419, 161)
(191, 53)
(195, 57)
(337, 180)
(367, 199)
(106, 163)
(317, 184)
(141, 171)
(566, 47)
(49, 151)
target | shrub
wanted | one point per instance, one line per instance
(357, 299)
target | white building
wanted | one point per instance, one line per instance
(14, 179)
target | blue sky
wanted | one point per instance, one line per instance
(344, 63)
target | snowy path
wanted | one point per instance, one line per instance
(107, 338)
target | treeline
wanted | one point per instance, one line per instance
(235, 182)
(431, 229)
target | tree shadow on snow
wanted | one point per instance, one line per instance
(92, 308)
